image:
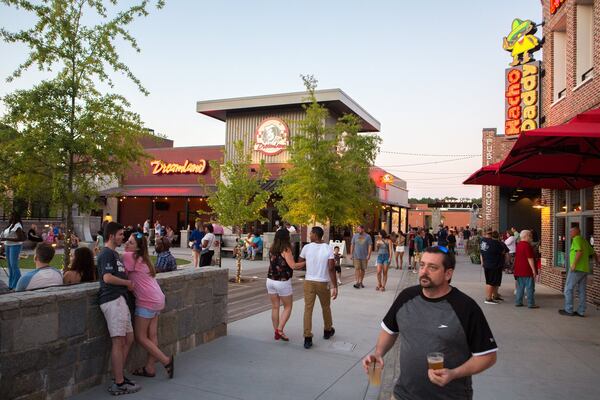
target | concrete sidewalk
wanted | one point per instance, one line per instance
(542, 355)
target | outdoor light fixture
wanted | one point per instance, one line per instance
(539, 204)
(519, 190)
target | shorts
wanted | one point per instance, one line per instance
(280, 288)
(338, 269)
(383, 259)
(493, 276)
(118, 318)
(145, 312)
(418, 257)
(359, 264)
(400, 249)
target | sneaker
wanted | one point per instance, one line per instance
(356, 286)
(307, 342)
(328, 334)
(490, 301)
(339, 282)
(498, 298)
(563, 312)
(534, 306)
(579, 315)
(127, 387)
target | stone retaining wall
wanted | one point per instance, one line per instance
(54, 342)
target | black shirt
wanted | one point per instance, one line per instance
(453, 324)
(466, 234)
(109, 262)
(492, 253)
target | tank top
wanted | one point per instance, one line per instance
(279, 270)
(384, 249)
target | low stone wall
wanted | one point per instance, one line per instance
(54, 342)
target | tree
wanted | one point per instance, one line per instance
(328, 180)
(69, 135)
(239, 197)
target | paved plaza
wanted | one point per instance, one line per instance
(542, 355)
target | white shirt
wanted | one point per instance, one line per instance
(317, 256)
(291, 229)
(12, 229)
(511, 243)
(211, 241)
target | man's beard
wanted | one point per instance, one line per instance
(426, 283)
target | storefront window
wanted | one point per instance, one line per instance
(561, 201)
(588, 229)
(589, 198)
(560, 241)
(574, 200)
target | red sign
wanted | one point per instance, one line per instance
(522, 98)
(555, 5)
(161, 167)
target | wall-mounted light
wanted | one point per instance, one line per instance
(539, 204)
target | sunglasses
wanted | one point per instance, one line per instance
(443, 249)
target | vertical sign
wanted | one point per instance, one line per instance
(522, 98)
(488, 191)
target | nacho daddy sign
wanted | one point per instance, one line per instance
(522, 79)
(160, 167)
(522, 98)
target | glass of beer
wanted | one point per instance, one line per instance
(375, 373)
(435, 360)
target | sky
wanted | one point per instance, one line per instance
(431, 72)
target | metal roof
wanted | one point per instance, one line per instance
(334, 99)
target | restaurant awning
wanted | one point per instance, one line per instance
(156, 191)
(490, 175)
(570, 152)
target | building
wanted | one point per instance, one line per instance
(168, 188)
(452, 214)
(550, 94)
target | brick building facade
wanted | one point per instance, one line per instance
(569, 88)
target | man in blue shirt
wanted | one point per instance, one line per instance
(43, 275)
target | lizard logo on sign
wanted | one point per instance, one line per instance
(272, 136)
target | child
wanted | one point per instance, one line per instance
(112, 297)
(338, 268)
(149, 300)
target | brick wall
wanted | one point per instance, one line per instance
(54, 342)
(578, 99)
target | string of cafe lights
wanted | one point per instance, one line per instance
(430, 162)
(429, 154)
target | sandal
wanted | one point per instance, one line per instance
(170, 367)
(142, 372)
(280, 335)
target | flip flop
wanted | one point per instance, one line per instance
(170, 367)
(142, 372)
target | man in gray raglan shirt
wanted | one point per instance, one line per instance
(436, 317)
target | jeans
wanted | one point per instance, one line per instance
(525, 283)
(579, 279)
(12, 256)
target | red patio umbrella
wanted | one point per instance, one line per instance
(490, 175)
(570, 151)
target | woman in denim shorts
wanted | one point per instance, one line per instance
(149, 301)
(385, 249)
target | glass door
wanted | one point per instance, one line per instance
(572, 222)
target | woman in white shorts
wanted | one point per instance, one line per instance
(279, 281)
(400, 249)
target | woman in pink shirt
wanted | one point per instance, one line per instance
(149, 301)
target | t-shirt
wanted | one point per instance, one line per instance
(257, 240)
(580, 244)
(165, 262)
(511, 243)
(419, 244)
(317, 256)
(146, 289)
(40, 278)
(523, 253)
(492, 253)
(210, 239)
(453, 324)
(466, 234)
(443, 237)
(196, 237)
(361, 243)
(108, 262)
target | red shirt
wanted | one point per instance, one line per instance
(522, 267)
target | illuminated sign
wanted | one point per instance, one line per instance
(555, 5)
(160, 167)
(272, 136)
(488, 191)
(521, 41)
(522, 98)
(387, 179)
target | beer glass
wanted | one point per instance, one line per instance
(435, 360)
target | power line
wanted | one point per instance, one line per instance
(428, 163)
(431, 173)
(429, 155)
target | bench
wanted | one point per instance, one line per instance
(228, 243)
